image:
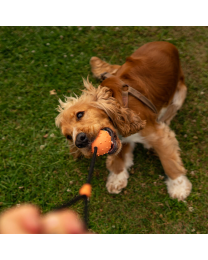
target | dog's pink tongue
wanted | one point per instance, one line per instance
(102, 142)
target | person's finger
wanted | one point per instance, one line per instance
(21, 220)
(62, 222)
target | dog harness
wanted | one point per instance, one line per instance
(129, 90)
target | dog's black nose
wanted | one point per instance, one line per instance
(81, 140)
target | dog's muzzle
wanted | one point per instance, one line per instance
(81, 140)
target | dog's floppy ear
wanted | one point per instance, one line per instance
(124, 119)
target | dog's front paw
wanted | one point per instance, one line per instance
(116, 182)
(179, 188)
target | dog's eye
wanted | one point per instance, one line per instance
(80, 115)
(69, 137)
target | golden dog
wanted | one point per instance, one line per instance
(154, 70)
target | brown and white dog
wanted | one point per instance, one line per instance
(154, 70)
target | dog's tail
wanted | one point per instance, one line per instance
(98, 67)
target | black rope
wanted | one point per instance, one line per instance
(71, 202)
(86, 211)
(84, 197)
(92, 166)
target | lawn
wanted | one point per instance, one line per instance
(35, 164)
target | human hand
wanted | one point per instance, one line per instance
(26, 219)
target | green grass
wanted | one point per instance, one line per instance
(35, 60)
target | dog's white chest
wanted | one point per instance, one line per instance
(136, 138)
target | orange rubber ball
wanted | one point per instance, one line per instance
(102, 142)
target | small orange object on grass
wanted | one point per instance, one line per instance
(86, 190)
(102, 142)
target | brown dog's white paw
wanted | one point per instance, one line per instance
(116, 182)
(180, 188)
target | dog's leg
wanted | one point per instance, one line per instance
(177, 102)
(98, 67)
(118, 166)
(166, 145)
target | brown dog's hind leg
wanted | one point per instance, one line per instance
(163, 140)
(177, 102)
(98, 67)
